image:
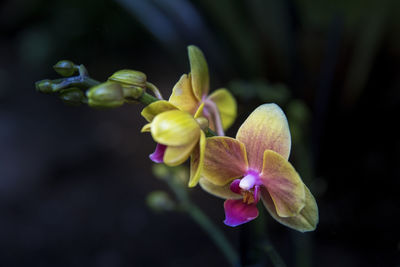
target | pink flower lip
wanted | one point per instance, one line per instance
(158, 155)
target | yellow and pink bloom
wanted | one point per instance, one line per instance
(191, 91)
(255, 166)
(178, 134)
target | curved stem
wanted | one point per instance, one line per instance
(154, 90)
(217, 118)
(204, 222)
(75, 81)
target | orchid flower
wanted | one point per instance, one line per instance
(192, 90)
(255, 166)
(178, 135)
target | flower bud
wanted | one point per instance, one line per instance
(44, 86)
(133, 82)
(160, 201)
(107, 95)
(65, 68)
(72, 96)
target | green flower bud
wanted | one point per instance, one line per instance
(107, 95)
(72, 96)
(65, 68)
(44, 86)
(160, 201)
(161, 171)
(133, 82)
(129, 77)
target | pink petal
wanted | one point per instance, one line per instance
(235, 186)
(158, 155)
(237, 212)
(256, 193)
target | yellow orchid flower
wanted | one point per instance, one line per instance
(255, 165)
(192, 90)
(178, 135)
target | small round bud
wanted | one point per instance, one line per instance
(133, 82)
(160, 201)
(202, 122)
(72, 96)
(65, 68)
(107, 95)
(44, 86)
(161, 171)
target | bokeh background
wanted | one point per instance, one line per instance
(74, 181)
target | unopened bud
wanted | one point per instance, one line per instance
(129, 77)
(161, 171)
(65, 68)
(72, 96)
(160, 201)
(107, 95)
(44, 86)
(133, 82)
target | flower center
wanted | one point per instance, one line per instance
(248, 187)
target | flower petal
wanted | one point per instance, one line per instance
(225, 159)
(199, 72)
(237, 212)
(265, 128)
(197, 161)
(182, 95)
(156, 108)
(199, 111)
(226, 105)
(283, 184)
(223, 191)
(158, 154)
(146, 128)
(176, 155)
(305, 221)
(175, 128)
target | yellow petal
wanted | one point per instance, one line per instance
(175, 128)
(265, 128)
(199, 72)
(283, 184)
(223, 191)
(305, 221)
(156, 108)
(226, 105)
(146, 128)
(182, 95)
(225, 159)
(199, 111)
(176, 155)
(197, 161)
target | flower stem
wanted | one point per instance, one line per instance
(204, 222)
(76, 81)
(155, 90)
(217, 118)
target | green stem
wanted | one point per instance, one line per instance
(76, 81)
(274, 256)
(205, 223)
(147, 99)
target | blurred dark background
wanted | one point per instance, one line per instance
(74, 180)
